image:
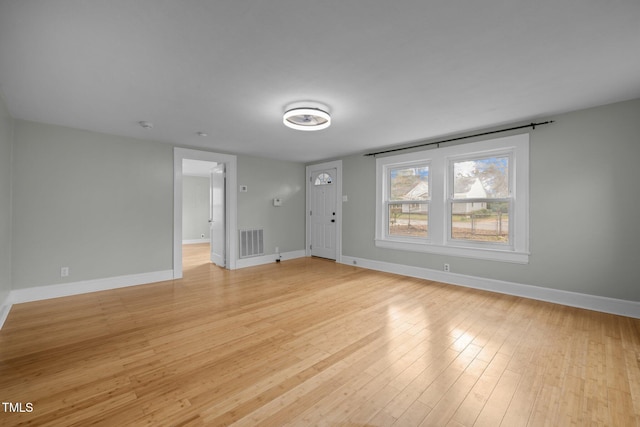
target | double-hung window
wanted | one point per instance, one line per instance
(479, 199)
(407, 201)
(468, 200)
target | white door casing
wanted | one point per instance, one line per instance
(216, 215)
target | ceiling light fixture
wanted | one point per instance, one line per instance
(202, 134)
(306, 116)
(146, 125)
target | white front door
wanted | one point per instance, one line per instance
(322, 213)
(216, 217)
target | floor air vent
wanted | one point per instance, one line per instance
(251, 243)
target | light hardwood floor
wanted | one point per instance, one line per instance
(312, 342)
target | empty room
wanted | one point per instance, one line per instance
(338, 213)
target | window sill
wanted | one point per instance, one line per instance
(486, 254)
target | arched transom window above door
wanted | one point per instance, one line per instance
(323, 179)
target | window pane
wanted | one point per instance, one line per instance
(480, 221)
(323, 179)
(409, 183)
(408, 219)
(481, 178)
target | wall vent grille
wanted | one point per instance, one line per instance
(251, 243)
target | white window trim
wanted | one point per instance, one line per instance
(387, 189)
(438, 241)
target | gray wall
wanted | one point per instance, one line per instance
(6, 144)
(102, 205)
(266, 179)
(99, 204)
(195, 207)
(585, 205)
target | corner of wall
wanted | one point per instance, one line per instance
(7, 138)
(5, 308)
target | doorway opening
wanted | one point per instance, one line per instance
(221, 204)
(197, 213)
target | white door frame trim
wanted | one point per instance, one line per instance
(337, 164)
(231, 202)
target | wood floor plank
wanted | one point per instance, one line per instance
(496, 406)
(313, 342)
(443, 411)
(470, 408)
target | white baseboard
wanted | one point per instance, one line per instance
(267, 259)
(38, 293)
(194, 241)
(572, 299)
(5, 307)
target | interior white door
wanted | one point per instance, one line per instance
(216, 217)
(322, 214)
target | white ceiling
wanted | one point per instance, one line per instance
(392, 72)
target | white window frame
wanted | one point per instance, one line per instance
(388, 201)
(451, 199)
(440, 162)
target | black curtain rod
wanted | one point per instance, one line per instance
(530, 125)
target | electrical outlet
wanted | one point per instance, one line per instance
(447, 268)
(64, 271)
(202, 236)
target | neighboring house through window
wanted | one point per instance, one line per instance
(469, 200)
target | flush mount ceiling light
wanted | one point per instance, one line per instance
(306, 116)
